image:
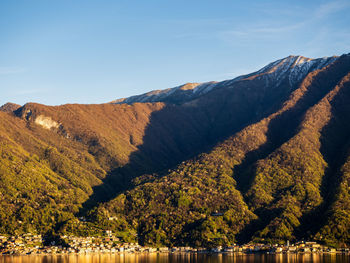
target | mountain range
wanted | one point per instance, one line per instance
(262, 157)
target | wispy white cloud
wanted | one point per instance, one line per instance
(192, 35)
(329, 8)
(270, 29)
(11, 70)
(199, 22)
(295, 17)
(265, 30)
(278, 29)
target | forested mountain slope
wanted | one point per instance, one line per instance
(264, 156)
(273, 180)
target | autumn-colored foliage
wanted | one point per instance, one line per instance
(240, 163)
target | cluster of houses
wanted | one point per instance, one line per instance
(299, 247)
(34, 244)
(22, 244)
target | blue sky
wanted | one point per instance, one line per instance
(81, 51)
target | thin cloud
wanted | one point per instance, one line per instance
(199, 22)
(331, 7)
(269, 30)
(11, 70)
(283, 29)
(255, 31)
(191, 35)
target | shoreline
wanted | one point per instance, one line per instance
(32, 244)
(208, 252)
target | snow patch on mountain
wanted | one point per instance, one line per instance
(291, 69)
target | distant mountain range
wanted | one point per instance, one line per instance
(262, 157)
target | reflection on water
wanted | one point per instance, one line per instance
(177, 258)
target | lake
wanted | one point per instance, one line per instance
(176, 258)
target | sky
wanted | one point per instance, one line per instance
(81, 51)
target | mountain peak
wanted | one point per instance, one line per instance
(292, 68)
(213, 170)
(9, 107)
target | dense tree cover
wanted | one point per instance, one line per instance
(337, 228)
(33, 197)
(284, 188)
(47, 175)
(196, 204)
(275, 167)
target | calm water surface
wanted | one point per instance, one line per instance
(175, 258)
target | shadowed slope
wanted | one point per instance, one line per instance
(263, 144)
(286, 183)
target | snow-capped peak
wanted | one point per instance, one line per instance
(292, 69)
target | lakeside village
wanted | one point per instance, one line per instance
(33, 244)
